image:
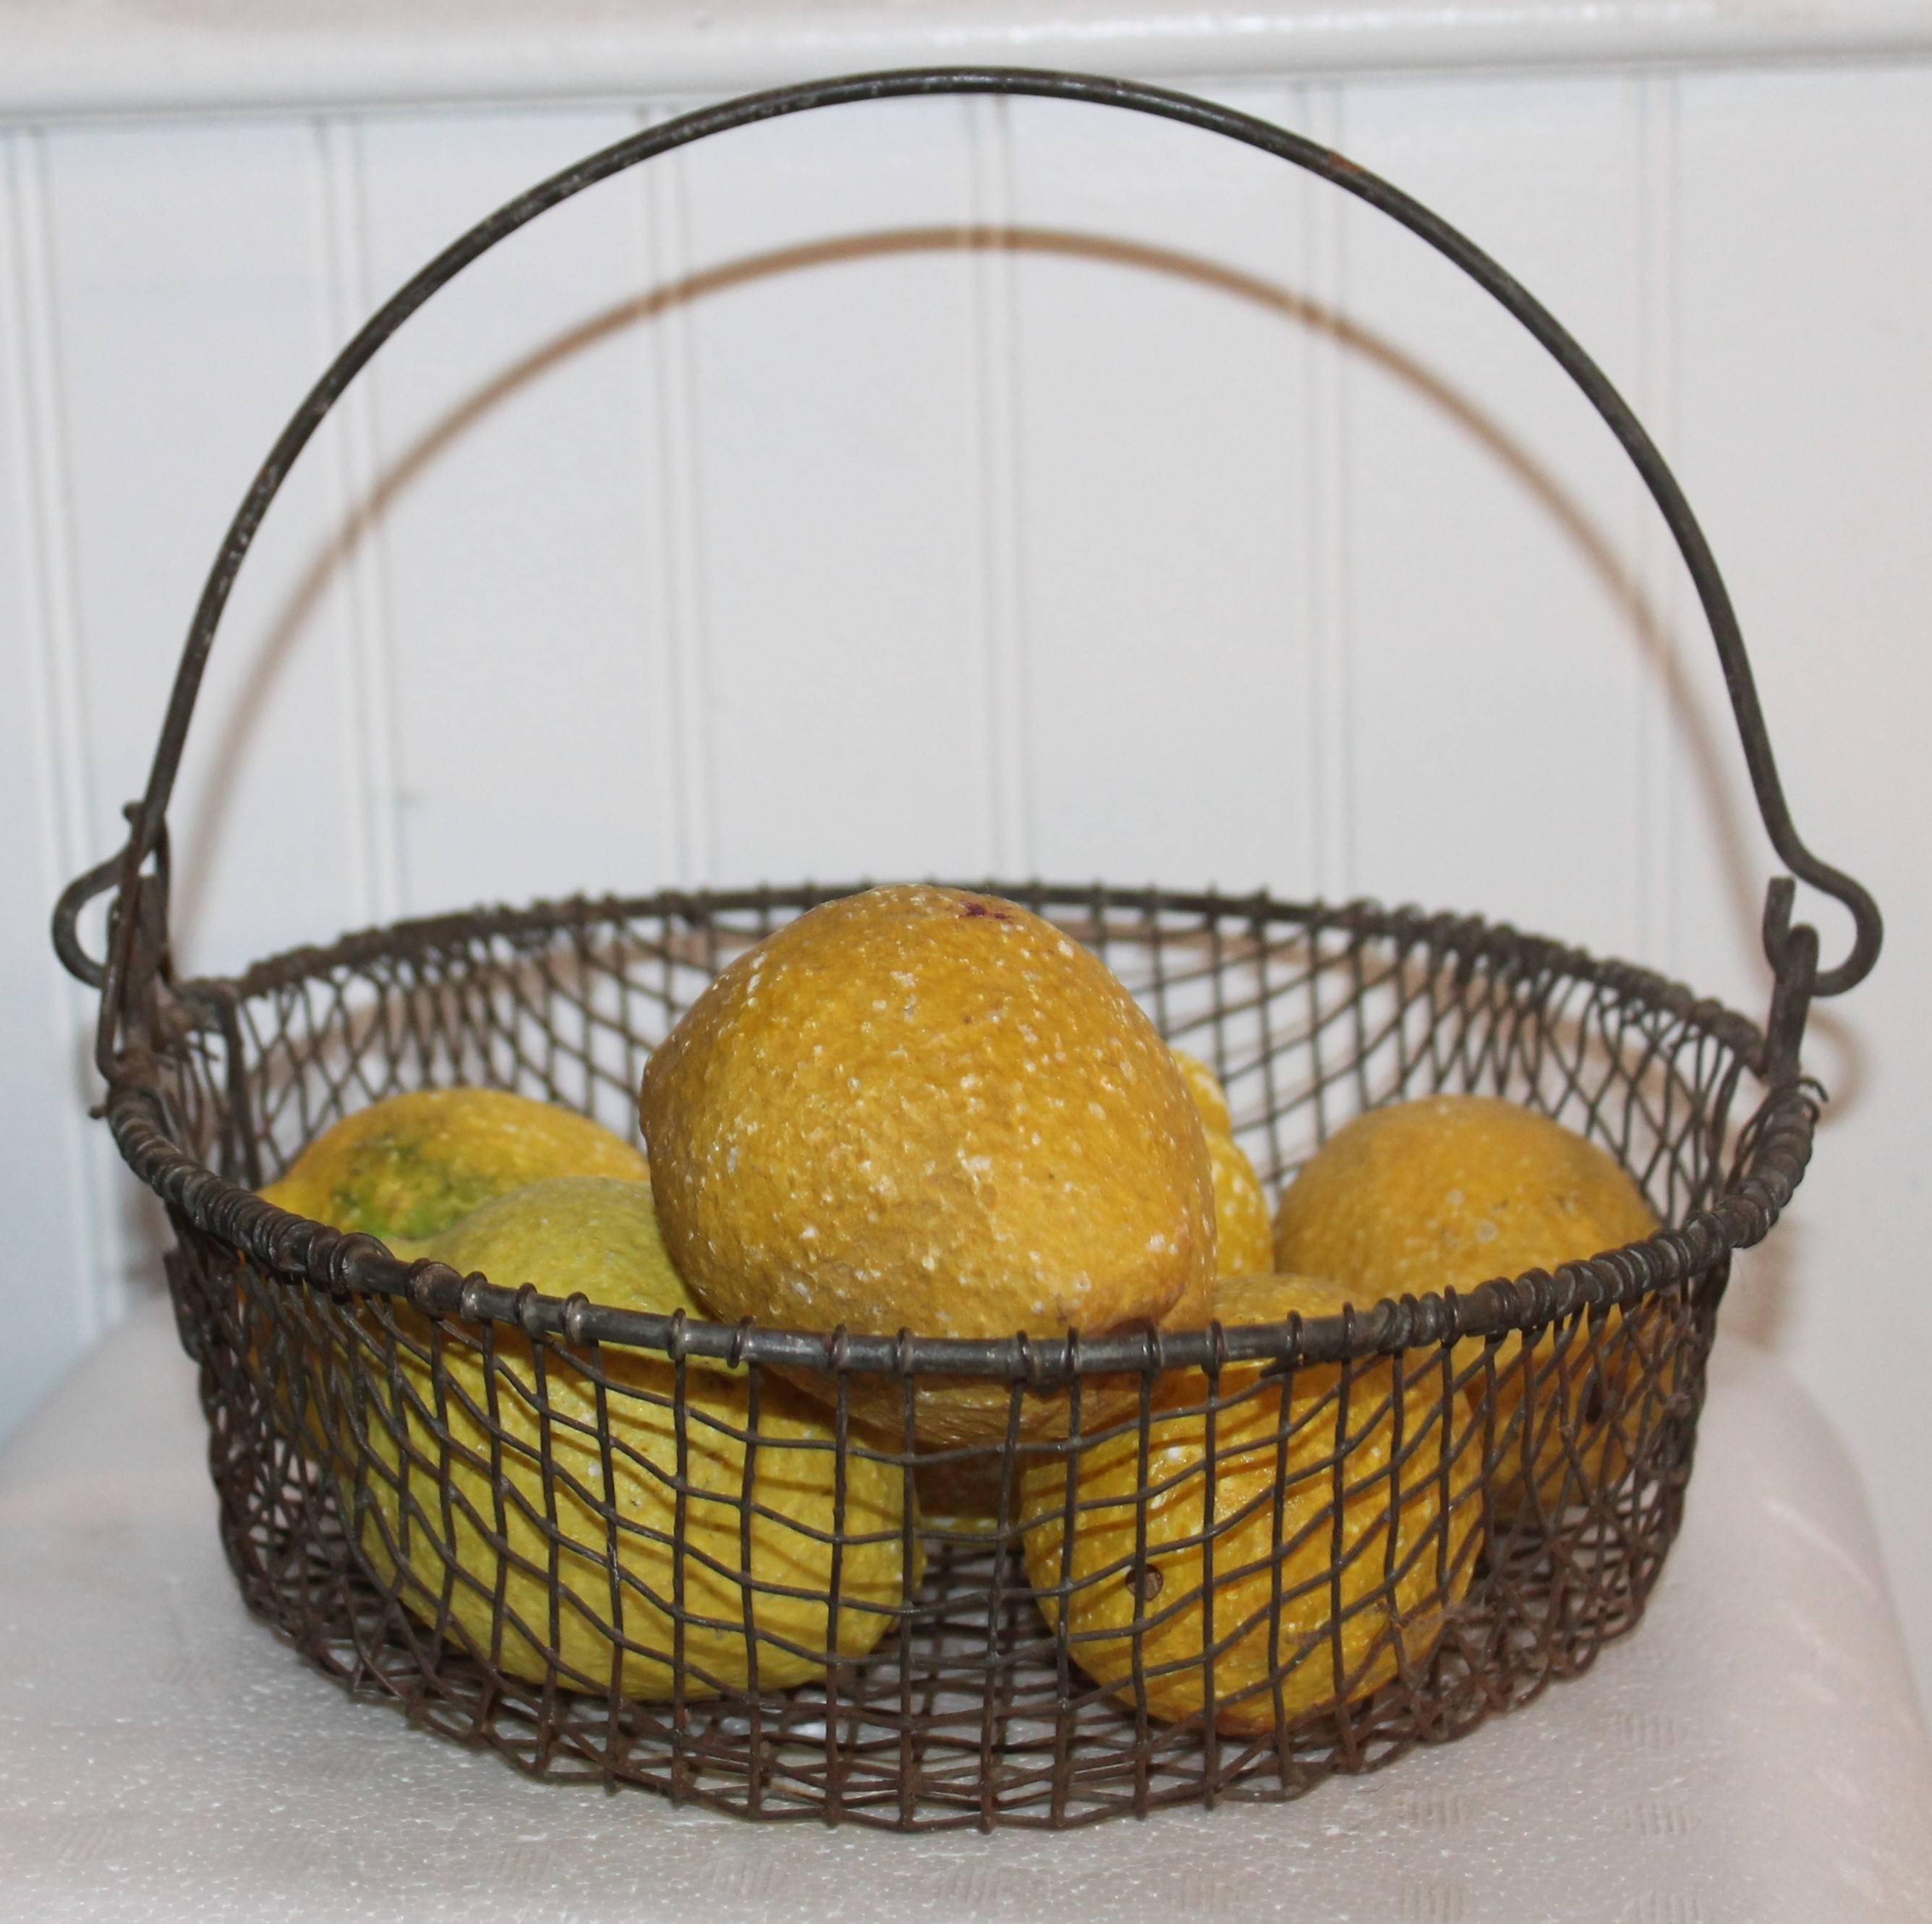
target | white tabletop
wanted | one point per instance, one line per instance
(1753, 1754)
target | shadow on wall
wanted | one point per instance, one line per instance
(1642, 620)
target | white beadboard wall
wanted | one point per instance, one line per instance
(959, 486)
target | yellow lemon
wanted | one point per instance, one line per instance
(411, 1165)
(1205, 1086)
(962, 1495)
(524, 1488)
(918, 1108)
(1453, 1191)
(1350, 1587)
(1244, 1239)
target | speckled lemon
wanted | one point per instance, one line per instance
(1244, 1237)
(600, 1235)
(923, 1108)
(411, 1165)
(1453, 1191)
(1403, 1561)
(961, 1496)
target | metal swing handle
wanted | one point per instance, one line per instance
(1792, 948)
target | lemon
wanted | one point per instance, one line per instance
(1352, 1587)
(1451, 1191)
(920, 1108)
(1205, 1086)
(410, 1165)
(523, 1487)
(962, 1495)
(1244, 1239)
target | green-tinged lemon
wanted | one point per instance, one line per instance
(558, 1487)
(411, 1165)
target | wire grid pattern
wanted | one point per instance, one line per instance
(663, 1570)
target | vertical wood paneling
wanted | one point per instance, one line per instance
(1806, 320)
(50, 1193)
(1496, 653)
(833, 366)
(1803, 337)
(181, 286)
(122, 1219)
(1161, 292)
(678, 727)
(186, 280)
(44, 425)
(1000, 704)
(1667, 619)
(371, 783)
(514, 469)
(1328, 837)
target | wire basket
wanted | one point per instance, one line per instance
(1233, 1561)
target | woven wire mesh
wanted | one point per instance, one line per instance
(675, 1570)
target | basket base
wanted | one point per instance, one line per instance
(915, 1738)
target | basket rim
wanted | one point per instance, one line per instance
(1476, 934)
(1768, 1167)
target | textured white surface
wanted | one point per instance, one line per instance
(1750, 1756)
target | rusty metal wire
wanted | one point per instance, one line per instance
(607, 1545)
(546, 1529)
